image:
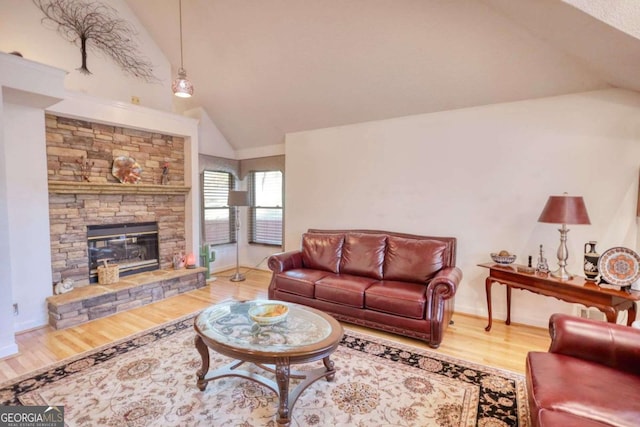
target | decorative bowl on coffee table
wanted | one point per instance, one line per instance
(268, 314)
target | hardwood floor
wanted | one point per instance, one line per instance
(504, 347)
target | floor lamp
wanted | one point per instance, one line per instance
(237, 199)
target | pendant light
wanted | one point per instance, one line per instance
(181, 86)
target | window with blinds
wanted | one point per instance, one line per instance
(218, 221)
(265, 213)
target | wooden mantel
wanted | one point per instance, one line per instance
(70, 187)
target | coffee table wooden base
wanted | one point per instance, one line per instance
(281, 367)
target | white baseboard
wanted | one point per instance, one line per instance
(8, 350)
(30, 324)
(502, 315)
(243, 268)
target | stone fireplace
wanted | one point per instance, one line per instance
(76, 202)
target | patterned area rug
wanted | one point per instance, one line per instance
(149, 380)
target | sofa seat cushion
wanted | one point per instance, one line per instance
(399, 298)
(343, 289)
(363, 254)
(564, 419)
(413, 260)
(322, 251)
(300, 281)
(584, 389)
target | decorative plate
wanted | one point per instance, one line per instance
(126, 169)
(619, 266)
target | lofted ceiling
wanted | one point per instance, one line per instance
(265, 68)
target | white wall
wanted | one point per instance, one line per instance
(263, 151)
(26, 88)
(211, 141)
(21, 30)
(480, 174)
(7, 342)
(28, 213)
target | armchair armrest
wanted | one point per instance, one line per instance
(284, 261)
(609, 344)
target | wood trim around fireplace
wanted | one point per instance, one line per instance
(69, 187)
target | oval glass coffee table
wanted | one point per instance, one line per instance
(306, 335)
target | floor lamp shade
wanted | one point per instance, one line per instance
(564, 210)
(237, 199)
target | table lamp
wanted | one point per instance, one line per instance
(564, 210)
(237, 199)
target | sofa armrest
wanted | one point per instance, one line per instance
(445, 283)
(440, 292)
(442, 287)
(284, 261)
(608, 344)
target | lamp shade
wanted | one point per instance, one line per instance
(181, 86)
(565, 210)
(238, 198)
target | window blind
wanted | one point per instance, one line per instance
(265, 213)
(218, 221)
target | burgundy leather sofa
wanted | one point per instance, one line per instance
(590, 376)
(395, 282)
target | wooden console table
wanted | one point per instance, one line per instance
(577, 290)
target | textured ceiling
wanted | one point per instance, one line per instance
(265, 68)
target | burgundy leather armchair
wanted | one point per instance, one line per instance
(589, 377)
(395, 282)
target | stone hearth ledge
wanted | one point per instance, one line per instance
(95, 301)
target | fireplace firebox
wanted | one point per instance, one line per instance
(134, 247)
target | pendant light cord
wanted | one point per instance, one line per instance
(180, 14)
(181, 86)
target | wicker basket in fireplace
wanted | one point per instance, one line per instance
(108, 274)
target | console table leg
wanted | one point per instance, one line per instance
(611, 313)
(631, 314)
(204, 354)
(508, 322)
(488, 284)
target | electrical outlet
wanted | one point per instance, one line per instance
(15, 309)
(135, 100)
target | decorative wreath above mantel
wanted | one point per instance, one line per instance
(127, 170)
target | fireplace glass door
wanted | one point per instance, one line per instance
(134, 247)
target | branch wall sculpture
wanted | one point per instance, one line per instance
(96, 26)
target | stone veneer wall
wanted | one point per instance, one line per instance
(68, 142)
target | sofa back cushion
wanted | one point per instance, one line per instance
(413, 260)
(363, 254)
(322, 251)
